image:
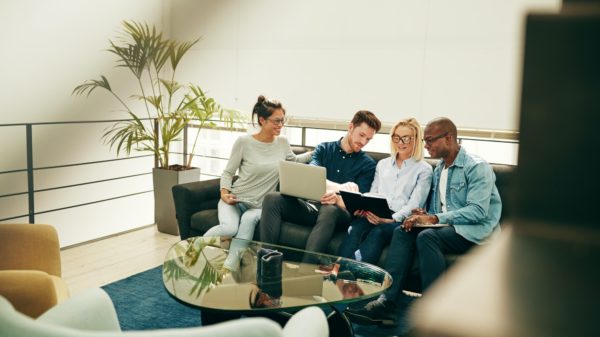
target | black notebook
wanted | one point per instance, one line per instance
(375, 204)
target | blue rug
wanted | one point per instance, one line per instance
(142, 303)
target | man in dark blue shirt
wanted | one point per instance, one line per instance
(348, 168)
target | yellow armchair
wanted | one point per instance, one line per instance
(30, 268)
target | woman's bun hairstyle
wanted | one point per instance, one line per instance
(264, 108)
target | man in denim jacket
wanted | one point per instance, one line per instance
(463, 196)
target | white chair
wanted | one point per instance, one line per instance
(92, 314)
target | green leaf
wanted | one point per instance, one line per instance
(171, 86)
(133, 57)
(172, 270)
(178, 49)
(156, 101)
(88, 86)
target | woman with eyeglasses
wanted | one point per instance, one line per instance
(404, 179)
(255, 158)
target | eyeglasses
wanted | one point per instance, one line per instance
(430, 140)
(403, 139)
(278, 121)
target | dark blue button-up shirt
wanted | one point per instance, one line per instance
(343, 167)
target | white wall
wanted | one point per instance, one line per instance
(322, 58)
(47, 48)
(327, 59)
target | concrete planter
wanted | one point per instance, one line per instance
(164, 207)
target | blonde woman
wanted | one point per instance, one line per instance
(404, 179)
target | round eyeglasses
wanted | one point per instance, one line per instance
(278, 121)
(403, 139)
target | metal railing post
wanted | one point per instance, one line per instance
(185, 145)
(156, 140)
(30, 189)
(303, 136)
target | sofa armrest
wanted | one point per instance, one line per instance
(193, 197)
(31, 292)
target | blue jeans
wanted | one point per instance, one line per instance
(235, 220)
(368, 249)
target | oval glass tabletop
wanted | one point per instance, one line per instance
(225, 274)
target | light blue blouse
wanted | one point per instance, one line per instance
(405, 187)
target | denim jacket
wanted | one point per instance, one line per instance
(473, 202)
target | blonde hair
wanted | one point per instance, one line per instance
(412, 124)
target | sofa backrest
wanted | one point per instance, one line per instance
(504, 177)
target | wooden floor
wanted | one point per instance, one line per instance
(104, 261)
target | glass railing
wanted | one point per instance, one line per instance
(211, 156)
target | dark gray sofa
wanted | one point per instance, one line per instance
(196, 211)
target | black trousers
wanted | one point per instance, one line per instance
(324, 220)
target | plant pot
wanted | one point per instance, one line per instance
(164, 207)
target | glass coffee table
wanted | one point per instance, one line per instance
(228, 277)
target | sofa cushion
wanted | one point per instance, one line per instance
(504, 175)
(204, 220)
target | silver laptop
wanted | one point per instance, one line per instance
(302, 180)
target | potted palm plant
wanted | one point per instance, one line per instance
(168, 107)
